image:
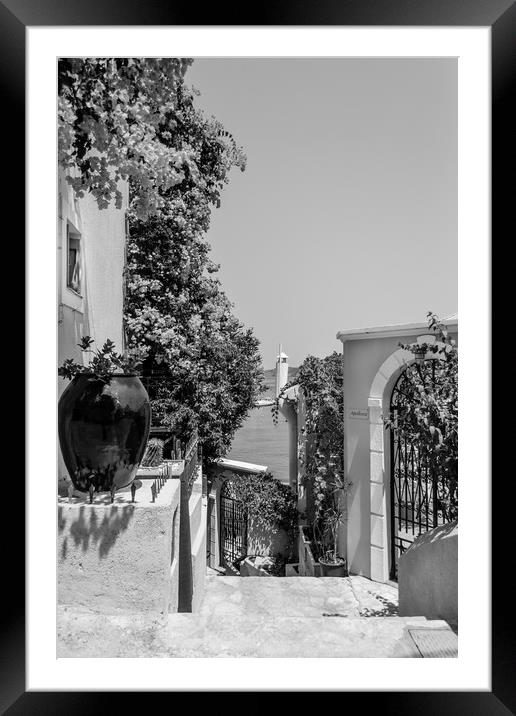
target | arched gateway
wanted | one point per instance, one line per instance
(373, 362)
(411, 495)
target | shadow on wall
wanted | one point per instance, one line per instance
(267, 541)
(92, 533)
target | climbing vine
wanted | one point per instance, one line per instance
(429, 418)
(132, 119)
(320, 381)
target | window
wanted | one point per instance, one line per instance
(73, 274)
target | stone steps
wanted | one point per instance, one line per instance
(266, 617)
(192, 635)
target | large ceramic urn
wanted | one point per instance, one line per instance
(103, 430)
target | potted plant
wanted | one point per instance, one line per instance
(103, 420)
(332, 564)
(327, 515)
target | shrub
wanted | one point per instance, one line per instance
(268, 502)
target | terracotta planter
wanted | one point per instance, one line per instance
(103, 430)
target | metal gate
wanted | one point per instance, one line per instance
(416, 504)
(233, 527)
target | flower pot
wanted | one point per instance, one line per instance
(103, 430)
(334, 569)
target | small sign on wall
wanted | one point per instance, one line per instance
(358, 413)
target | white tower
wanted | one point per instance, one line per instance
(281, 371)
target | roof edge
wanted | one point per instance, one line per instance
(396, 329)
(240, 465)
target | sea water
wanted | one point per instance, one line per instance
(261, 442)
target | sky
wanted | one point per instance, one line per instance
(346, 213)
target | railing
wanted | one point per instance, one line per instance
(192, 457)
(190, 453)
(158, 484)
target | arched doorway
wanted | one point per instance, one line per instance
(233, 527)
(416, 493)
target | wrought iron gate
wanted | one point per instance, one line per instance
(416, 504)
(233, 526)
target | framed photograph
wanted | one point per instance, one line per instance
(399, 92)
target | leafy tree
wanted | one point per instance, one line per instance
(124, 118)
(204, 365)
(135, 119)
(428, 416)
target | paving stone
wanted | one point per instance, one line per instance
(292, 637)
(285, 596)
(257, 617)
(190, 635)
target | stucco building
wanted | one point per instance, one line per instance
(373, 362)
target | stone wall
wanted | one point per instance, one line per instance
(120, 557)
(192, 558)
(198, 526)
(427, 575)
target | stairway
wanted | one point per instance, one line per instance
(305, 617)
(267, 617)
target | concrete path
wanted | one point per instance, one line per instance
(297, 597)
(265, 617)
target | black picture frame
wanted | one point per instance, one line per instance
(500, 16)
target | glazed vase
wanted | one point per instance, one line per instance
(103, 427)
